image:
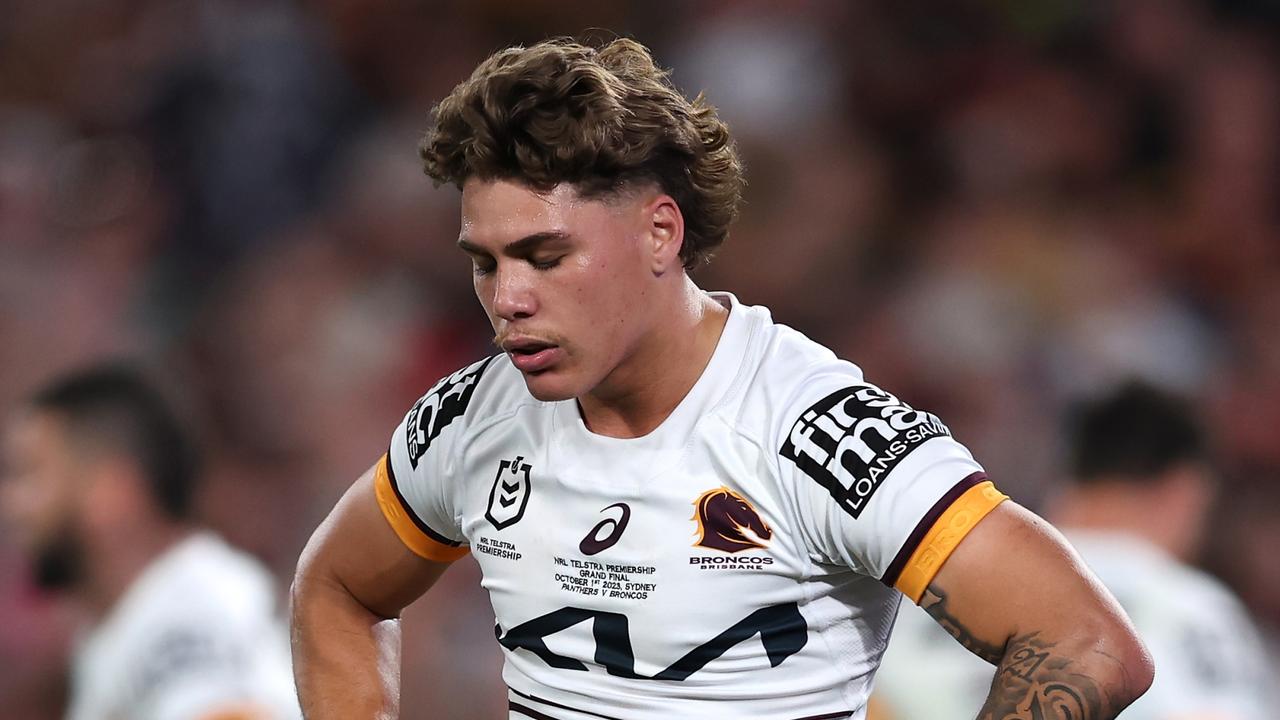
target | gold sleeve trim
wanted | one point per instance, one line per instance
(406, 527)
(941, 540)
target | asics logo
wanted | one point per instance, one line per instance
(613, 527)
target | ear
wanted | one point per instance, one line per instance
(1185, 499)
(1190, 485)
(1189, 479)
(665, 228)
(115, 493)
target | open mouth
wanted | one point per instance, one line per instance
(529, 348)
(531, 356)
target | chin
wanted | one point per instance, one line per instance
(552, 386)
(58, 564)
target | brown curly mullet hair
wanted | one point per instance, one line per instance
(604, 120)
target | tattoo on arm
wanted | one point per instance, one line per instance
(1034, 679)
(934, 603)
(1034, 682)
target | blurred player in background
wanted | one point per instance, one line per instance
(99, 489)
(1136, 510)
(680, 508)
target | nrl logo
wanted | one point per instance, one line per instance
(728, 522)
(510, 493)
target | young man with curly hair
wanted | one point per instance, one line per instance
(680, 508)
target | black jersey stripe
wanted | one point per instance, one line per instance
(408, 510)
(539, 700)
(528, 711)
(926, 524)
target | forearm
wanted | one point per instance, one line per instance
(1039, 678)
(346, 659)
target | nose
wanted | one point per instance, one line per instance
(513, 296)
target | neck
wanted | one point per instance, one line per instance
(113, 564)
(648, 385)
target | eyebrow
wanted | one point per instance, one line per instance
(522, 246)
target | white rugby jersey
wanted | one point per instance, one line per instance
(739, 561)
(195, 636)
(1209, 661)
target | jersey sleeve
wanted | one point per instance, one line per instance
(415, 480)
(880, 487)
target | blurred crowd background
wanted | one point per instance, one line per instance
(994, 207)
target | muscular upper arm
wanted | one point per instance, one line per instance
(356, 548)
(1010, 575)
(1016, 594)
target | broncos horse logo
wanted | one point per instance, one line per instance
(728, 522)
